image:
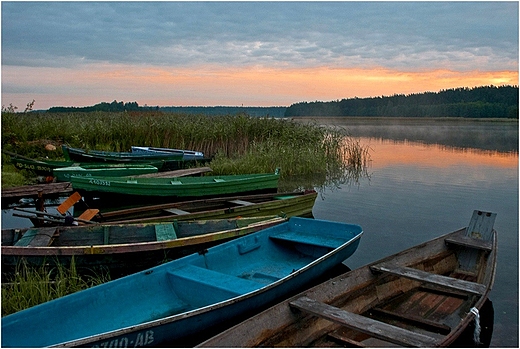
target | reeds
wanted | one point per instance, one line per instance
(239, 143)
(31, 286)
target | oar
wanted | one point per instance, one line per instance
(51, 215)
(35, 217)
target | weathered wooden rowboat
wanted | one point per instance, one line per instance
(288, 204)
(186, 300)
(63, 174)
(81, 155)
(425, 296)
(186, 154)
(204, 186)
(120, 249)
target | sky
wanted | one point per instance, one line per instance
(250, 53)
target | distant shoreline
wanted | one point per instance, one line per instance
(396, 120)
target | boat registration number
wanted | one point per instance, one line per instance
(99, 182)
(141, 339)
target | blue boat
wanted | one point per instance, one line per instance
(184, 302)
(186, 154)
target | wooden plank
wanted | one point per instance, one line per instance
(176, 211)
(437, 326)
(374, 328)
(68, 203)
(176, 173)
(241, 202)
(419, 275)
(88, 214)
(481, 225)
(37, 237)
(466, 241)
(337, 336)
(165, 232)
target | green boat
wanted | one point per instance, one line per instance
(175, 186)
(63, 174)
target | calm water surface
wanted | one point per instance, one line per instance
(419, 189)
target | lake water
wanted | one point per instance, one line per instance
(426, 180)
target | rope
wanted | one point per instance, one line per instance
(476, 332)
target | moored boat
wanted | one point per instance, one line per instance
(82, 155)
(424, 296)
(203, 186)
(63, 174)
(287, 204)
(182, 302)
(121, 249)
(186, 154)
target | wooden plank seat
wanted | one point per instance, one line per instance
(165, 232)
(419, 275)
(374, 328)
(37, 237)
(467, 241)
(241, 202)
(215, 280)
(176, 211)
(309, 239)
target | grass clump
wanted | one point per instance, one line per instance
(31, 286)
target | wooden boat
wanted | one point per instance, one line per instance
(120, 249)
(81, 155)
(176, 187)
(186, 154)
(191, 298)
(424, 296)
(288, 204)
(63, 174)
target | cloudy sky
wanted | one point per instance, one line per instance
(250, 53)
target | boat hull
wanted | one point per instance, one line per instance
(63, 174)
(182, 302)
(204, 186)
(120, 249)
(284, 204)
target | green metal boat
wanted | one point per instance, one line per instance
(63, 174)
(177, 187)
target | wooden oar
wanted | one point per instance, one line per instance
(35, 217)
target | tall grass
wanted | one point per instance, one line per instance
(239, 143)
(31, 286)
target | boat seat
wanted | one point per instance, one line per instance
(40, 237)
(436, 279)
(374, 328)
(309, 239)
(231, 284)
(466, 241)
(165, 232)
(176, 211)
(241, 202)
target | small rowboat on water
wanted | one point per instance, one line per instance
(81, 155)
(120, 249)
(63, 174)
(184, 301)
(186, 154)
(204, 186)
(424, 296)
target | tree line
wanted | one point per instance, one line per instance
(478, 102)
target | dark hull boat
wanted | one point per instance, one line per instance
(425, 296)
(120, 249)
(182, 302)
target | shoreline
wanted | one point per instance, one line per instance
(397, 120)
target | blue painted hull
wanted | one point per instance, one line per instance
(185, 301)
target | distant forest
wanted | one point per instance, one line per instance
(478, 102)
(116, 106)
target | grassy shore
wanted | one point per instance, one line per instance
(239, 143)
